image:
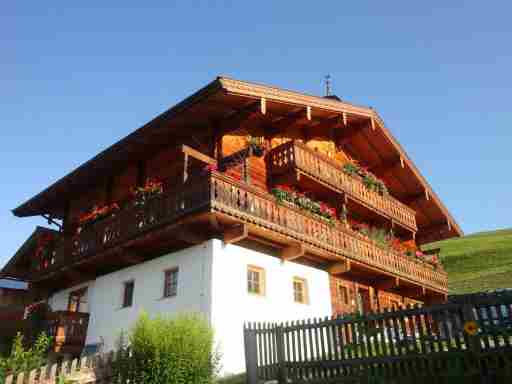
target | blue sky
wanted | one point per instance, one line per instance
(76, 78)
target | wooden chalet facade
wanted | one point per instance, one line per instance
(319, 181)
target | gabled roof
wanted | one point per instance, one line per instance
(23, 254)
(225, 97)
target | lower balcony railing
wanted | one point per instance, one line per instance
(216, 193)
(68, 330)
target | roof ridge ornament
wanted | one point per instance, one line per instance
(327, 85)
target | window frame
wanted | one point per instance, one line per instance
(305, 290)
(124, 292)
(344, 299)
(167, 274)
(76, 297)
(261, 281)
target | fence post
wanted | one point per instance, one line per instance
(282, 377)
(251, 355)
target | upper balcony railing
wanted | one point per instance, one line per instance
(217, 193)
(295, 155)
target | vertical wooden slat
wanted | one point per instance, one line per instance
(301, 347)
(32, 376)
(483, 316)
(310, 354)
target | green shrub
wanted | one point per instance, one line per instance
(167, 350)
(22, 359)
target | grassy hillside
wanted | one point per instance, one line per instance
(478, 262)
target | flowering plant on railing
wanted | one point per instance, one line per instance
(372, 182)
(385, 239)
(44, 250)
(428, 258)
(380, 236)
(210, 168)
(37, 307)
(285, 193)
(97, 213)
(152, 187)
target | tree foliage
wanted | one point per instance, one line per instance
(24, 359)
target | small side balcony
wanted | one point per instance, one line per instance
(68, 330)
(293, 160)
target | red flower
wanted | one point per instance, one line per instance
(284, 187)
(211, 168)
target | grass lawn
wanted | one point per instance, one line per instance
(478, 262)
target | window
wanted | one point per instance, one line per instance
(256, 280)
(171, 282)
(300, 290)
(129, 286)
(343, 294)
(77, 300)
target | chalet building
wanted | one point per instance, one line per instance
(242, 202)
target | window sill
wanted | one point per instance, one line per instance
(252, 294)
(167, 297)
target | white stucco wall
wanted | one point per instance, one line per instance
(108, 318)
(232, 305)
(212, 281)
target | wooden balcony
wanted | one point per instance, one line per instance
(68, 330)
(214, 203)
(296, 158)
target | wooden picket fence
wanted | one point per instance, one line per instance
(429, 342)
(86, 370)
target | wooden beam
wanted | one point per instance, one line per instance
(389, 166)
(233, 121)
(188, 235)
(185, 167)
(417, 292)
(263, 106)
(292, 252)
(416, 198)
(339, 267)
(236, 233)
(387, 284)
(434, 228)
(132, 256)
(293, 118)
(78, 275)
(348, 133)
(198, 155)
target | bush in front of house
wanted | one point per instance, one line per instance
(22, 359)
(167, 350)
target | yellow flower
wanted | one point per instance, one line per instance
(471, 328)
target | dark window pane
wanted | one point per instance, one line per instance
(171, 283)
(128, 294)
